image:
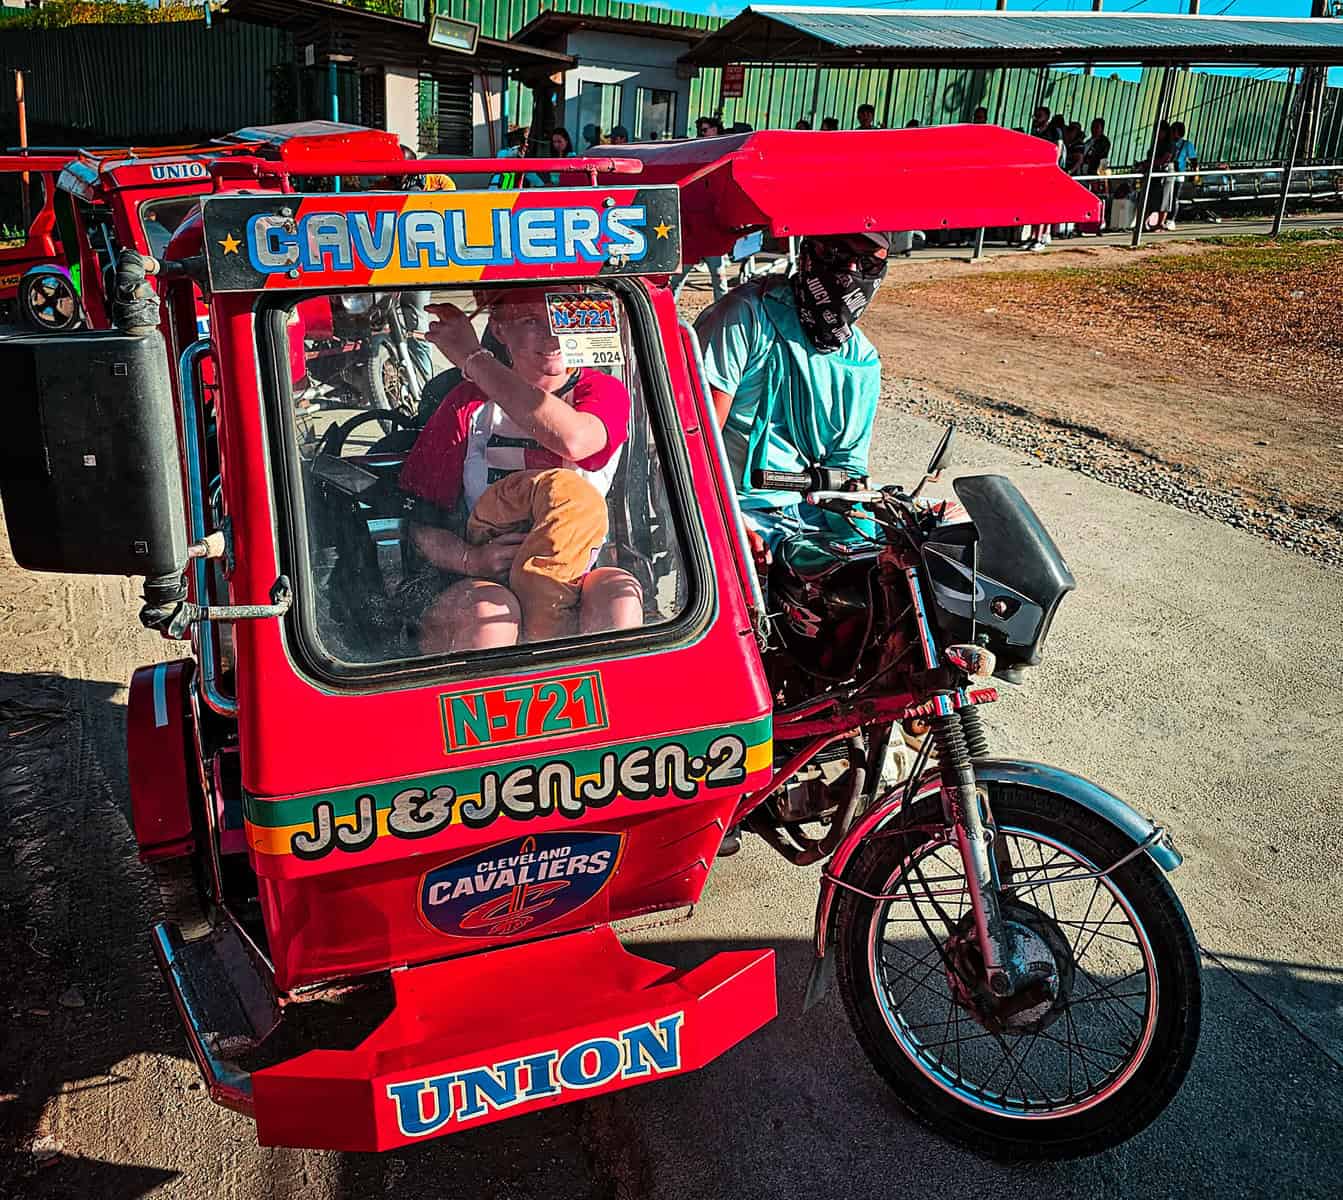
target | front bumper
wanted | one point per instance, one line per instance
(492, 1035)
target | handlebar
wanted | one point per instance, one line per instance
(863, 496)
(817, 479)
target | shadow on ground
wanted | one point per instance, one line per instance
(794, 1110)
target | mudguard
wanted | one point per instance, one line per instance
(1132, 824)
(158, 743)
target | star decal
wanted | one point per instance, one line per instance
(230, 244)
(662, 229)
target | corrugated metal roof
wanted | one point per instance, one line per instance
(872, 37)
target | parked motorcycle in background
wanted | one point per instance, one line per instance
(360, 351)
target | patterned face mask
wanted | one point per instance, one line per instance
(830, 296)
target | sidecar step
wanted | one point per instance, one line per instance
(224, 1000)
(493, 1035)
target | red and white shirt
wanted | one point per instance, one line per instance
(470, 442)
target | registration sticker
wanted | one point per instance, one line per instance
(588, 326)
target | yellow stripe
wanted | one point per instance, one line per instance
(478, 208)
(275, 839)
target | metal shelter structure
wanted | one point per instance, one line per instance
(876, 37)
(344, 41)
(798, 37)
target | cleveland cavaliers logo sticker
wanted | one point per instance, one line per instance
(518, 886)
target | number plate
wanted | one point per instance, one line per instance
(523, 711)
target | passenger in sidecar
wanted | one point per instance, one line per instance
(403, 570)
(519, 421)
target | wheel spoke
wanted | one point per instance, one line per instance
(1031, 1066)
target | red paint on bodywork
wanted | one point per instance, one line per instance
(547, 995)
(357, 913)
(367, 915)
(158, 753)
(794, 183)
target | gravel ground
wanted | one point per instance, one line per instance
(1100, 456)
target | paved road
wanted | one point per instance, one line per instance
(1195, 672)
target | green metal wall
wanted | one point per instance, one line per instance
(1229, 117)
(503, 18)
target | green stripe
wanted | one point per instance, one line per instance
(297, 810)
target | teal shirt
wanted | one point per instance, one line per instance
(792, 406)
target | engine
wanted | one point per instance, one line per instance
(815, 792)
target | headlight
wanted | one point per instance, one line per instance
(357, 304)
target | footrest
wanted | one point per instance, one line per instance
(224, 999)
(493, 1035)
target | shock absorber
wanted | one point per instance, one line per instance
(976, 736)
(972, 838)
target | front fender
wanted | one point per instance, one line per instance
(1132, 824)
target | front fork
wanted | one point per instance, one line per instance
(958, 738)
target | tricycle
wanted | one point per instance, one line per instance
(402, 813)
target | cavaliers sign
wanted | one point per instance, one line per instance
(519, 886)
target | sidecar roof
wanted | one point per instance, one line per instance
(799, 182)
(88, 172)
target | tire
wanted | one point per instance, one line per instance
(956, 1099)
(47, 300)
(385, 383)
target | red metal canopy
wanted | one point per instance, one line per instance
(793, 183)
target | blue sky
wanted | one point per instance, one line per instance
(1230, 8)
(1235, 8)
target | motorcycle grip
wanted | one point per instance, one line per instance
(783, 481)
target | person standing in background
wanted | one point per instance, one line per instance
(516, 148)
(561, 146)
(1096, 161)
(866, 117)
(1049, 129)
(1096, 149)
(1183, 157)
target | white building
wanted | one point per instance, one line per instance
(627, 75)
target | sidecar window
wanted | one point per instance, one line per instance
(160, 219)
(434, 525)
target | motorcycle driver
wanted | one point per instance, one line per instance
(794, 381)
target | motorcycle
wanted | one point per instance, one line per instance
(342, 921)
(363, 354)
(1009, 952)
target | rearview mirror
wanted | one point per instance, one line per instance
(89, 472)
(942, 456)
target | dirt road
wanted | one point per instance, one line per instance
(97, 1095)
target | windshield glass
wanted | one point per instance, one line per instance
(160, 219)
(450, 511)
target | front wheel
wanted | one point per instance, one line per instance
(1085, 1060)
